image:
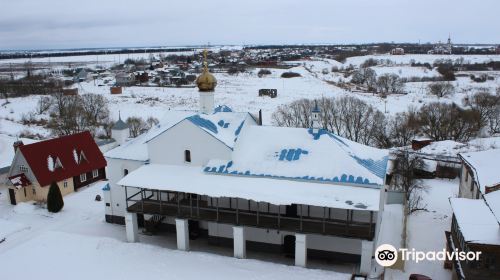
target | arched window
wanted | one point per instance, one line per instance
(125, 172)
(187, 156)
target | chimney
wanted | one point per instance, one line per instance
(17, 144)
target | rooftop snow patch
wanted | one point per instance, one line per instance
(192, 179)
(485, 167)
(224, 126)
(297, 153)
(493, 201)
(476, 221)
(222, 108)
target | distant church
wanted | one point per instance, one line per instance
(219, 175)
(442, 48)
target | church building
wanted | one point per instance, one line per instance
(218, 174)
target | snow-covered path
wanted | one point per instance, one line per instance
(426, 230)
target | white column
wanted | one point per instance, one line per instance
(366, 257)
(182, 229)
(239, 239)
(131, 227)
(300, 250)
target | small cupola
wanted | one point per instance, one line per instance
(120, 130)
(315, 112)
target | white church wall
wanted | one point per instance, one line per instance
(115, 171)
(169, 147)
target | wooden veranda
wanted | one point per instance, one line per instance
(196, 207)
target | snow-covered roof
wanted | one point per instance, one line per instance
(493, 201)
(476, 221)
(136, 149)
(192, 179)
(224, 124)
(485, 167)
(298, 153)
(446, 147)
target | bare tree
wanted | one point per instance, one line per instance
(345, 116)
(151, 122)
(441, 89)
(405, 179)
(44, 104)
(487, 107)
(137, 126)
(442, 121)
(389, 83)
(95, 109)
(403, 128)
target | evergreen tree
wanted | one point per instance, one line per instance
(54, 198)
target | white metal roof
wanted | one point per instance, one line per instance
(192, 179)
(476, 221)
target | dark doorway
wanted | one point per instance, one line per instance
(291, 211)
(194, 229)
(289, 246)
(12, 195)
(187, 156)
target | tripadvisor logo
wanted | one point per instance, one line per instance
(386, 255)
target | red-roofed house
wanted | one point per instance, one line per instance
(71, 161)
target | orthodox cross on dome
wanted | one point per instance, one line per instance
(205, 63)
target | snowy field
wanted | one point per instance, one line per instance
(426, 230)
(80, 242)
(240, 92)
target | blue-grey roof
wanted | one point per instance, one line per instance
(120, 125)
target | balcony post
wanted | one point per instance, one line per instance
(131, 227)
(182, 231)
(239, 240)
(300, 250)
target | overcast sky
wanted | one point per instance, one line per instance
(40, 24)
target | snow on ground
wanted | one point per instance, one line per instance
(106, 258)
(87, 247)
(421, 58)
(426, 230)
(406, 71)
(7, 150)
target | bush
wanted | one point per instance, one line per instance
(369, 63)
(290, 75)
(263, 72)
(55, 200)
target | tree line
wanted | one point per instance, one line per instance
(354, 119)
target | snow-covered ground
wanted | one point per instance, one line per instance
(426, 230)
(421, 58)
(7, 149)
(81, 244)
(240, 92)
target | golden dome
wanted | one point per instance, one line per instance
(206, 81)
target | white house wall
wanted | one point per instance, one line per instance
(115, 171)
(169, 147)
(19, 160)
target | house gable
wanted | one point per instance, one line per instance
(169, 147)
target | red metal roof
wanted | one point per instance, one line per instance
(63, 150)
(19, 180)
